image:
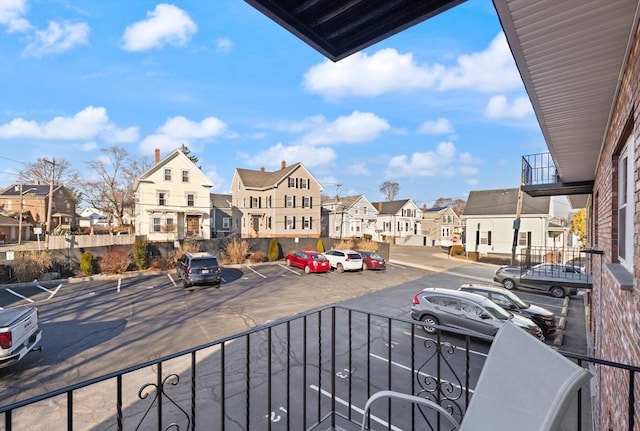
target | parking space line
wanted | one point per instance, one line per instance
(20, 296)
(172, 280)
(55, 291)
(288, 269)
(420, 373)
(459, 348)
(354, 408)
(43, 288)
(263, 276)
(395, 265)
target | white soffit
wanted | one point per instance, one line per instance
(570, 54)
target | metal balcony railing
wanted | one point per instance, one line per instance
(539, 169)
(310, 371)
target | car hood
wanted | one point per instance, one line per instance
(522, 321)
(535, 309)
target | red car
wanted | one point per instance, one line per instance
(310, 261)
(372, 260)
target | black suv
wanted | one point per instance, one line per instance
(508, 300)
(198, 268)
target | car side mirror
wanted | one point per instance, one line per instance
(485, 315)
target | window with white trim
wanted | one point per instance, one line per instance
(523, 239)
(306, 202)
(289, 222)
(626, 205)
(156, 224)
(185, 176)
(485, 237)
(167, 174)
(290, 201)
(170, 226)
(306, 222)
(162, 198)
(225, 223)
(191, 199)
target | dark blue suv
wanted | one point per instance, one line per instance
(199, 268)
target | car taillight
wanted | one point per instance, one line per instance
(5, 340)
(347, 259)
(416, 301)
(188, 271)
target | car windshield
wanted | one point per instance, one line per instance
(515, 298)
(354, 256)
(496, 310)
(318, 257)
(374, 255)
(204, 263)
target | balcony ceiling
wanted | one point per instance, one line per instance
(338, 28)
(570, 55)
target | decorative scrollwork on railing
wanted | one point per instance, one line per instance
(446, 392)
(157, 390)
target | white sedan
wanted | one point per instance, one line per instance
(344, 260)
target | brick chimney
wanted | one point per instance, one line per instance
(379, 207)
(283, 164)
(157, 155)
(262, 169)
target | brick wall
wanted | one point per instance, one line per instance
(615, 313)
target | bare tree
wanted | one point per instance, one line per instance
(390, 190)
(106, 189)
(456, 204)
(42, 170)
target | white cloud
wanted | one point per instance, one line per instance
(310, 156)
(499, 107)
(364, 75)
(12, 16)
(224, 45)
(358, 169)
(441, 162)
(472, 181)
(121, 136)
(387, 70)
(165, 25)
(90, 123)
(57, 38)
(358, 127)
(218, 181)
(436, 127)
(180, 130)
(89, 146)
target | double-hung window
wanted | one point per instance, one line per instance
(625, 205)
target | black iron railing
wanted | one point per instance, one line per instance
(539, 169)
(310, 371)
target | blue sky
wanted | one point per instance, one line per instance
(439, 108)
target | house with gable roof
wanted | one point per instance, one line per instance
(281, 203)
(489, 217)
(173, 200)
(399, 221)
(350, 217)
(441, 226)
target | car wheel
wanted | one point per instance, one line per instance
(288, 262)
(508, 283)
(430, 322)
(557, 292)
(307, 270)
(339, 267)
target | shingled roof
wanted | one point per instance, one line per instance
(261, 179)
(504, 202)
(389, 207)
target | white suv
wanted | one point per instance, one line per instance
(344, 260)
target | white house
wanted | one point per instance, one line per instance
(92, 217)
(399, 221)
(173, 200)
(489, 217)
(350, 217)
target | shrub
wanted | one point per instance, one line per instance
(235, 251)
(161, 263)
(141, 253)
(274, 252)
(456, 250)
(28, 265)
(344, 244)
(367, 245)
(87, 264)
(258, 257)
(116, 260)
(367, 236)
(320, 246)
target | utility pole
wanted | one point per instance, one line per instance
(516, 226)
(21, 212)
(53, 171)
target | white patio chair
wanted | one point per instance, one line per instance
(524, 385)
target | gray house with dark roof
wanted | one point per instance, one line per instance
(489, 217)
(221, 215)
(284, 203)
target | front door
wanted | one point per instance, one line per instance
(193, 225)
(255, 223)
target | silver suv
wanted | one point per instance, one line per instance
(466, 311)
(198, 268)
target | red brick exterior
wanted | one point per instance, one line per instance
(614, 315)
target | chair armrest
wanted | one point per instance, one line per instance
(406, 397)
